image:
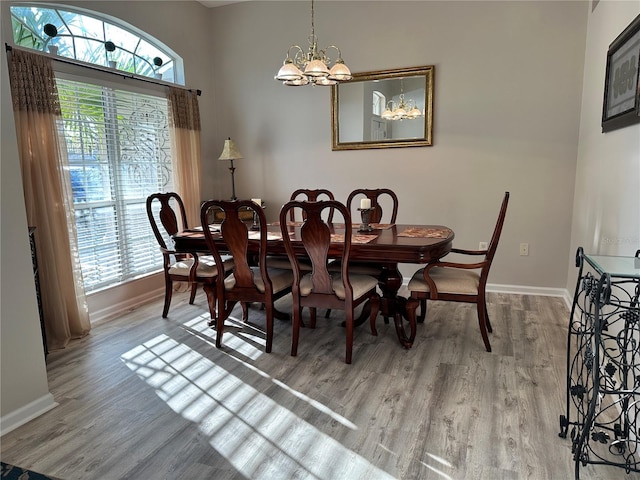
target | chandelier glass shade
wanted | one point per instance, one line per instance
(312, 68)
(402, 111)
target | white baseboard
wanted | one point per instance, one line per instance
(24, 414)
(523, 290)
(527, 290)
(119, 308)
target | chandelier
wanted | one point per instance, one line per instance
(403, 111)
(312, 67)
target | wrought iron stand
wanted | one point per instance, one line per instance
(603, 363)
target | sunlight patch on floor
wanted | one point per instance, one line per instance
(239, 336)
(258, 436)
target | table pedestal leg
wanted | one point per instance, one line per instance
(391, 304)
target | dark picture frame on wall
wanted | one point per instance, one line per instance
(621, 105)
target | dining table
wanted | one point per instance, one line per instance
(385, 246)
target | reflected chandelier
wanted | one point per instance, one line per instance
(403, 111)
(312, 67)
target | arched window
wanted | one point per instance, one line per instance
(84, 36)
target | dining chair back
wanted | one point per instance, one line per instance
(458, 282)
(321, 288)
(379, 197)
(312, 195)
(304, 194)
(252, 280)
(167, 216)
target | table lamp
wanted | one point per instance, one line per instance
(231, 152)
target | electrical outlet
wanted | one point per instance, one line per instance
(483, 246)
(524, 249)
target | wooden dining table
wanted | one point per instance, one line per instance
(386, 246)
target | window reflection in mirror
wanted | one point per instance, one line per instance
(390, 108)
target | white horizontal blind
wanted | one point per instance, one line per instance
(119, 152)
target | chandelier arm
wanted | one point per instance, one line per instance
(339, 59)
(299, 59)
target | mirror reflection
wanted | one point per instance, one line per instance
(390, 108)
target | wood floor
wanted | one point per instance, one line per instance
(150, 398)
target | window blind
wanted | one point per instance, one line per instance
(119, 152)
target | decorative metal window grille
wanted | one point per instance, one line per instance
(88, 38)
(119, 152)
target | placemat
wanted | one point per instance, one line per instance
(375, 226)
(420, 232)
(339, 238)
(255, 235)
(289, 224)
(212, 227)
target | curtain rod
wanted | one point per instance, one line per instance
(122, 74)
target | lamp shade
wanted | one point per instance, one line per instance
(289, 72)
(340, 72)
(230, 151)
(316, 68)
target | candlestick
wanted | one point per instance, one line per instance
(366, 217)
(256, 225)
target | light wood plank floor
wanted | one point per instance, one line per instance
(149, 398)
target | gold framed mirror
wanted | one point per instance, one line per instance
(383, 109)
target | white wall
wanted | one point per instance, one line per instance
(606, 209)
(23, 378)
(508, 82)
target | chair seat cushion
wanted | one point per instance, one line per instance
(448, 280)
(361, 284)
(280, 279)
(206, 267)
(279, 261)
(358, 268)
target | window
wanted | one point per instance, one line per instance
(119, 153)
(378, 102)
(82, 36)
(116, 132)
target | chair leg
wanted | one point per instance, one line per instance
(312, 317)
(269, 308)
(423, 310)
(295, 329)
(219, 329)
(245, 311)
(486, 318)
(482, 320)
(349, 325)
(374, 303)
(168, 290)
(327, 314)
(210, 291)
(194, 289)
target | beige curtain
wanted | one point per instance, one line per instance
(184, 123)
(47, 197)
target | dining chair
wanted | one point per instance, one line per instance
(311, 195)
(167, 210)
(379, 197)
(321, 288)
(458, 282)
(252, 279)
